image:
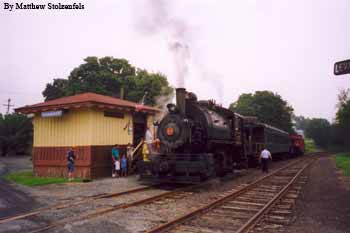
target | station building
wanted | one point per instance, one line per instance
(89, 123)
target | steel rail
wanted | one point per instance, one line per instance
(206, 208)
(117, 207)
(252, 221)
(71, 203)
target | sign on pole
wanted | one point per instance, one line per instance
(342, 67)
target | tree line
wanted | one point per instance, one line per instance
(113, 77)
(16, 134)
(326, 134)
(118, 78)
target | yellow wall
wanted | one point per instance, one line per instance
(72, 129)
(81, 128)
(110, 130)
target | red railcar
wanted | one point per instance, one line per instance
(297, 144)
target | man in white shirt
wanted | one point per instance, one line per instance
(149, 139)
(265, 155)
(148, 136)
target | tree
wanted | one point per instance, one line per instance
(56, 89)
(341, 127)
(270, 108)
(113, 77)
(300, 122)
(319, 130)
(16, 134)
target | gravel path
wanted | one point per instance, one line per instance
(324, 205)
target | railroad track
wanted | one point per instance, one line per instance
(155, 199)
(72, 203)
(241, 210)
(177, 193)
(281, 212)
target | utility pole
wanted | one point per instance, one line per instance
(8, 105)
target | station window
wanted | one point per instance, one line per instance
(114, 114)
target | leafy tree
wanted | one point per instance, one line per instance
(16, 133)
(57, 88)
(113, 77)
(341, 127)
(300, 122)
(319, 130)
(270, 108)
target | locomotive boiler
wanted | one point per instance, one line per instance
(199, 139)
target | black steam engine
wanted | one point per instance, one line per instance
(199, 139)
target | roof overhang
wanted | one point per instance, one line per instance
(88, 104)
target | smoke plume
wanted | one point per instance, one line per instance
(157, 19)
(161, 102)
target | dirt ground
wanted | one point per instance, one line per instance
(324, 204)
(12, 199)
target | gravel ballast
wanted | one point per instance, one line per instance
(324, 205)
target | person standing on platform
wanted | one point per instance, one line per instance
(148, 136)
(129, 158)
(124, 165)
(149, 139)
(70, 163)
(115, 161)
(265, 155)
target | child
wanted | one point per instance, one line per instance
(117, 166)
(115, 158)
(124, 165)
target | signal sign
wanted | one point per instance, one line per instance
(342, 67)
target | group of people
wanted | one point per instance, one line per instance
(121, 163)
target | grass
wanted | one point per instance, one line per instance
(27, 178)
(343, 162)
(310, 145)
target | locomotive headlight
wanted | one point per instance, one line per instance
(170, 131)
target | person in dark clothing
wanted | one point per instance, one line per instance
(71, 156)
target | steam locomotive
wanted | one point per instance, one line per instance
(200, 139)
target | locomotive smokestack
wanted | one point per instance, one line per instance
(181, 99)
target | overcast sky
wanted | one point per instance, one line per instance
(232, 47)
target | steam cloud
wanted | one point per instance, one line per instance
(157, 19)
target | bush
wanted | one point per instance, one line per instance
(310, 145)
(343, 162)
